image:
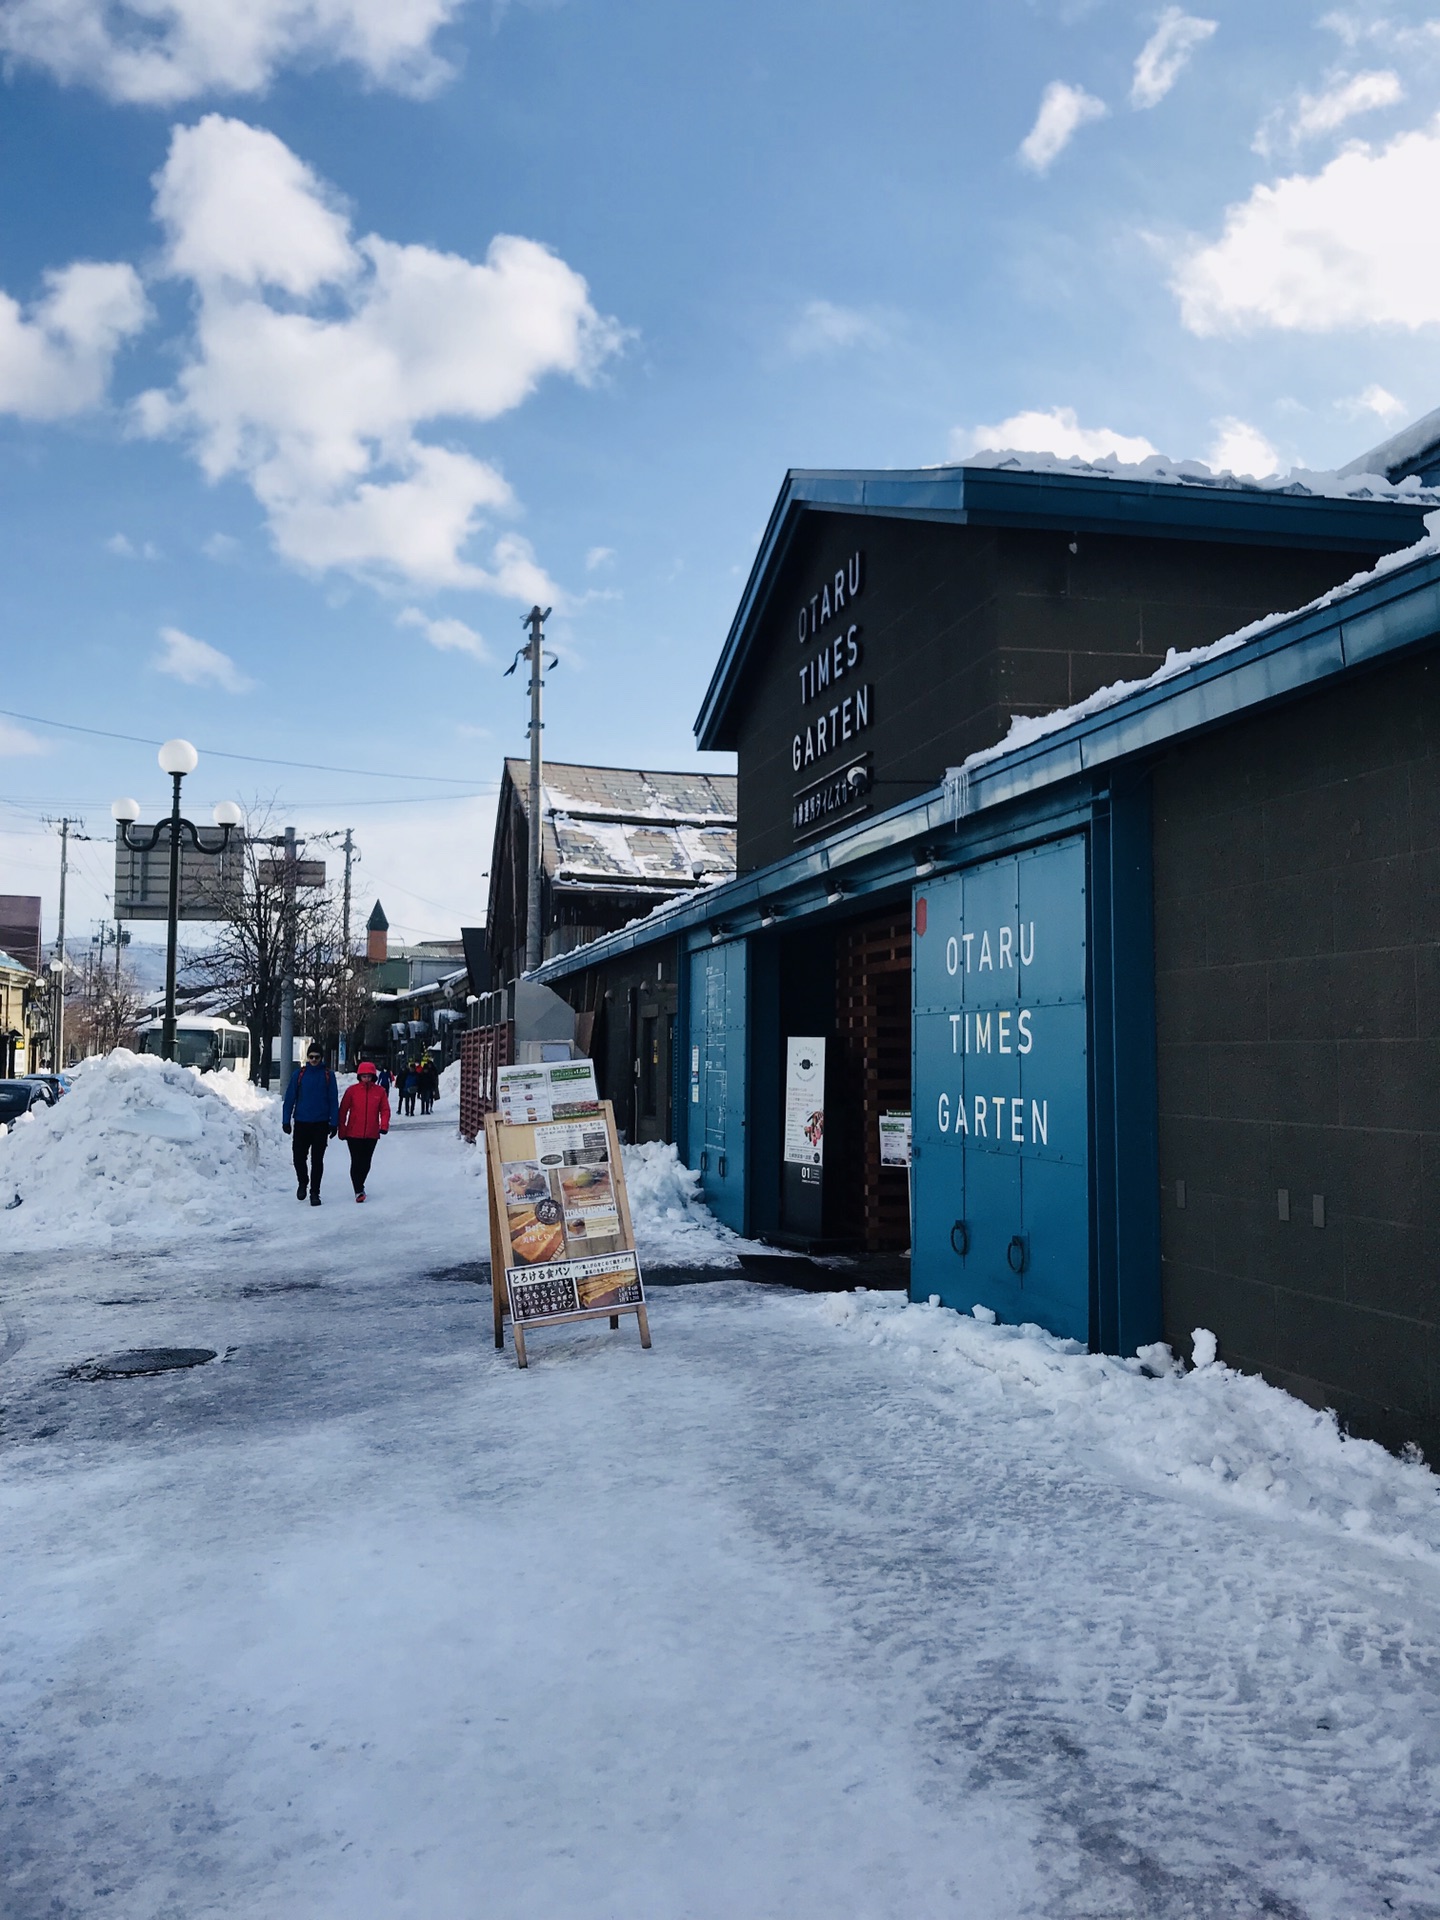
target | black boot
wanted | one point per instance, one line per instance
(314, 1199)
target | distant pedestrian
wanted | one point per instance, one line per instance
(384, 1081)
(409, 1084)
(364, 1116)
(312, 1113)
(429, 1084)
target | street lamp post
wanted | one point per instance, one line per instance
(177, 758)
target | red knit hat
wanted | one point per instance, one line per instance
(366, 1066)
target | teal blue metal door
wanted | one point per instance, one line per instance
(1001, 1090)
(717, 1077)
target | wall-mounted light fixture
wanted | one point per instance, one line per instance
(769, 914)
(834, 894)
(926, 864)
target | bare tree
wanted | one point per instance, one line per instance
(246, 959)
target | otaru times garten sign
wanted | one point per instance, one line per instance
(1001, 1085)
(836, 707)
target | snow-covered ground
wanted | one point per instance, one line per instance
(825, 1606)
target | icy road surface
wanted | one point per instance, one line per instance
(821, 1608)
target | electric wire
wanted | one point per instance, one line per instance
(255, 759)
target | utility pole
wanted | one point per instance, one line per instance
(57, 1016)
(345, 953)
(287, 978)
(535, 620)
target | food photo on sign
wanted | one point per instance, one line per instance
(560, 1197)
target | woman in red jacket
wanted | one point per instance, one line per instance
(364, 1116)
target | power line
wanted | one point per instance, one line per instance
(484, 790)
(254, 759)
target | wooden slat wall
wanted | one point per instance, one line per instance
(872, 1019)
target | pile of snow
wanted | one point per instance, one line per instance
(137, 1142)
(673, 1226)
(449, 1094)
(1224, 1435)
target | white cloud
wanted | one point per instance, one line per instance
(318, 356)
(197, 663)
(18, 743)
(824, 327)
(599, 557)
(1241, 449)
(1345, 247)
(57, 359)
(125, 549)
(447, 634)
(1059, 432)
(1315, 114)
(1373, 399)
(220, 546)
(161, 52)
(1166, 53)
(1063, 111)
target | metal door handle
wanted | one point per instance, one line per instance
(704, 1161)
(962, 1245)
(1017, 1254)
(722, 1166)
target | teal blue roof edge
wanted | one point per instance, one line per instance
(1077, 502)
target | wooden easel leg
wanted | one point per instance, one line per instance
(644, 1319)
(497, 1294)
(615, 1320)
(519, 1333)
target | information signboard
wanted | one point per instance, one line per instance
(207, 880)
(551, 1090)
(894, 1139)
(804, 1102)
(562, 1246)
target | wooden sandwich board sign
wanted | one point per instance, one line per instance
(562, 1246)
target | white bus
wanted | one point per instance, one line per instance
(211, 1045)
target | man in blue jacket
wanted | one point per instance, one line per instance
(311, 1113)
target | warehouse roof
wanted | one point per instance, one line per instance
(1378, 615)
(625, 826)
(1156, 498)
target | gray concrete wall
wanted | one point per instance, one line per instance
(1297, 901)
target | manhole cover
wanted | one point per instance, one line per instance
(126, 1366)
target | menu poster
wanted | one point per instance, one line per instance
(550, 1090)
(894, 1139)
(561, 1242)
(804, 1102)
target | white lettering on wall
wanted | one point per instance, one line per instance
(834, 597)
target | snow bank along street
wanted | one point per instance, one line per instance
(825, 1606)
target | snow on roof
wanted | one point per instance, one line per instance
(1300, 482)
(1025, 728)
(625, 827)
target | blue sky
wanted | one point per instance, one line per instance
(333, 335)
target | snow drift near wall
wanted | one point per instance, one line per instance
(673, 1226)
(139, 1143)
(1205, 1431)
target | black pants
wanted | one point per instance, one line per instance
(308, 1138)
(362, 1152)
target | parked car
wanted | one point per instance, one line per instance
(19, 1097)
(54, 1085)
